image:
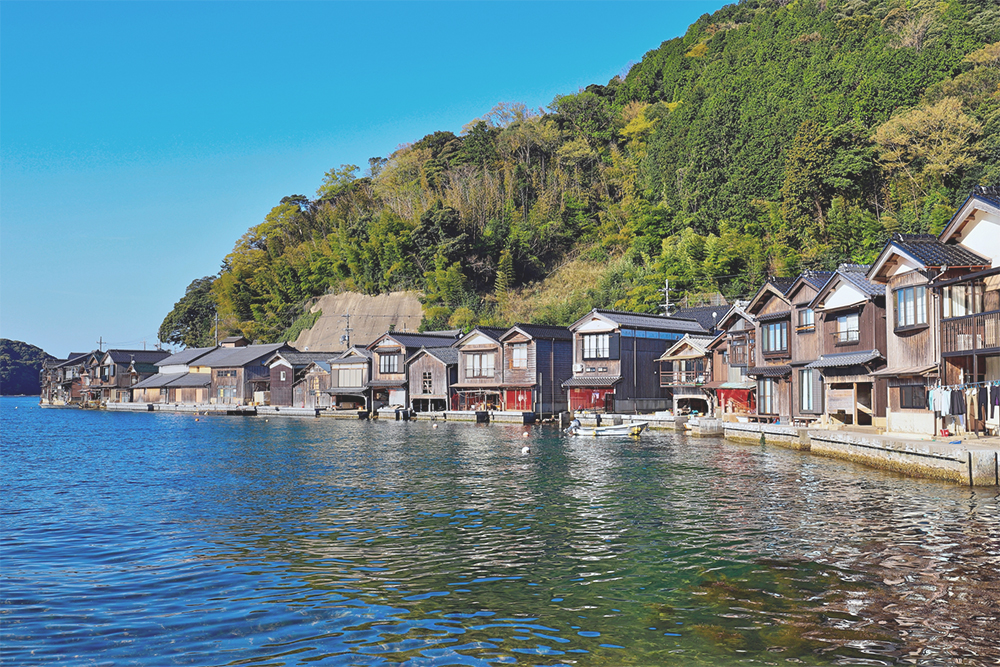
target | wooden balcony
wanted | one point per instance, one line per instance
(971, 333)
(683, 378)
(741, 353)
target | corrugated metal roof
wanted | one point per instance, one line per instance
(184, 356)
(226, 357)
(846, 359)
(176, 380)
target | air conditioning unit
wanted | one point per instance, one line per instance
(577, 368)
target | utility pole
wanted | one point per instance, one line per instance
(666, 296)
(100, 344)
(346, 338)
(216, 328)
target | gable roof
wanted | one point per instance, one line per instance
(355, 351)
(856, 276)
(416, 340)
(926, 251)
(813, 279)
(300, 359)
(703, 315)
(493, 333)
(643, 321)
(75, 358)
(772, 287)
(139, 356)
(981, 197)
(224, 357)
(446, 355)
(184, 356)
(540, 331)
(698, 344)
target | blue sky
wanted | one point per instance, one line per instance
(140, 140)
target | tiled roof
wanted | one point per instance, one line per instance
(783, 284)
(491, 332)
(990, 192)
(175, 380)
(363, 351)
(226, 357)
(769, 371)
(418, 340)
(845, 359)
(931, 252)
(386, 383)
(647, 321)
(771, 317)
(816, 278)
(856, 275)
(184, 356)
(448, 355)
(140, 356)
(75, 358)
(592, 381)
(703, 315)
(545, 331)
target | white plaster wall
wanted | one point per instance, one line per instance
(910, 421)
(844, 295)
(982, 236)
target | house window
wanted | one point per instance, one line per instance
(597, 346)
(960, 300)
(847, 328)
(314, 383)
(807, 389)
(282, 376)
(427, 383)
(479, 365)
(911, 306)
(913, 397)
(775, 337)
(807, 320)
(388, 363)
(519, 355)
(767, 397)
(349, 377)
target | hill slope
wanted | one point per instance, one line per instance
(773, 136)
(20, 364)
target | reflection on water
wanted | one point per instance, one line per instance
(155, 538)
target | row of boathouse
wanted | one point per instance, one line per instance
(888, 345)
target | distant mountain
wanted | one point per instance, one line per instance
(20, 364)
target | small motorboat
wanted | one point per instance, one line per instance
(631, 429)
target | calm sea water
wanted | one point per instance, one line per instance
(159, 539)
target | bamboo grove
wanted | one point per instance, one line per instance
(774, 136)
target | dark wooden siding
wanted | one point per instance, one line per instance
(281, 390)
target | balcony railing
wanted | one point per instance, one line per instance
(741, 355)
(847, 336)
(682, 378)
(971, 333)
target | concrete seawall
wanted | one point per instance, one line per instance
(968, 463)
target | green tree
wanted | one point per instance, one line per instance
(191, 322)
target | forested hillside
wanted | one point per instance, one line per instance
(20, 365)
(773, 136)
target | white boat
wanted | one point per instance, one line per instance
(632, 428)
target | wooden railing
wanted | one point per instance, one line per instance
(971, 333)
(680, 378)
(741, 353)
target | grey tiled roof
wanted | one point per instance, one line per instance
(490, 332)
(227, 357)
(771, 317)
(783, 284)
(817, 278)
(544, 331)
(184, 356)
(842, 359)
(647, 321)
(592, 381)
(448, 355)
(139, 356)
(363, 351)
(990, 192)
(769, 371)
(418, 340)
(855, 274)
(931, 252)
(75, 358)
(703, 315)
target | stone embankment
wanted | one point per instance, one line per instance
(975, 463)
